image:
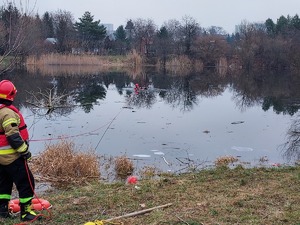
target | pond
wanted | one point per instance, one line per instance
(167, 121)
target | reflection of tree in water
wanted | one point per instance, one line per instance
(277, 91)
(143, 99)
(88, 94)
(280, 105)
(246, 92)
(244, 99)
(119, 79)
(212, 91)
(292, 146)
(181, 95)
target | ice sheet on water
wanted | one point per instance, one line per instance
(242, 149)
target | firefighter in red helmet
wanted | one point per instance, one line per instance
(14, 154)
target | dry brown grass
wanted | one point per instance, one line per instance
(211, 196)
(69, 59)
(54, 64)
(62, 165)
(215, 196)
(134, 59)
(148, 172)
(180, 62)
(183, 65)
(123, 167)
(225, 161)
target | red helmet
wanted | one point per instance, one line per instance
(8, 90)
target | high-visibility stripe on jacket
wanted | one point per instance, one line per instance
(5, 147)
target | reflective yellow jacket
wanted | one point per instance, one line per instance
(9, 124)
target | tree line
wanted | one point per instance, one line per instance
(269, 45)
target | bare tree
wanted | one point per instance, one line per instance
(189, 30)
(173, 28)
(64, 30)
(14, 23)
(214, 30)
(144, 32)
(250, 44)
(210, 48)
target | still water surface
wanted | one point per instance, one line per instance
(169, 122)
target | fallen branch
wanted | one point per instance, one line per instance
(139, 212)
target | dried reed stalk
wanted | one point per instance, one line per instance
(225, 161)
(123, 167)
(60, 163)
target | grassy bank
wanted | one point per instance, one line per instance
(210, 197)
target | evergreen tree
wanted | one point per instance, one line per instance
(90, 31)
(163, 44)
(120, 36)
(282, 25)
(11, 19)
(271, 27)
(48, 27)
(129, 33)
(120, 33)
(295, 22)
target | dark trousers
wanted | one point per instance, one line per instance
(19, 174)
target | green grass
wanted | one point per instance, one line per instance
(210, 197)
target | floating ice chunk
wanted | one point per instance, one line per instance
(142, 156)
(242, 149)
(159, 153)
(238, 122)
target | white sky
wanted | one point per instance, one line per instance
(223, 13)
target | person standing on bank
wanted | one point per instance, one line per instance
(14, 154)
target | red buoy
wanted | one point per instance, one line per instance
(132, 180)
(37, 204)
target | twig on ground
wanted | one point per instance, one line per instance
(182, 220)
(140, 212)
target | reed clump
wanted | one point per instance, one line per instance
(183, 65)
(134, 59)
(62, 165)
(148, 172)
(224, 161)
(123, 167)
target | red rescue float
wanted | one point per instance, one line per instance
(38, 204)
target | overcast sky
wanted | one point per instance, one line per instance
(222, 13)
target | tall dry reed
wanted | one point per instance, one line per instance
(61, 164)
(123, 167)
(70, 59)
(183, 65)
(134, 59)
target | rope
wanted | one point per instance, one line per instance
(48, 217)
(68, 136)
(81, 134)
(108, 128)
